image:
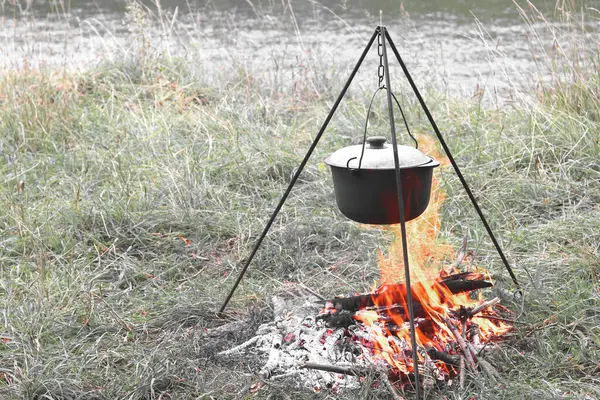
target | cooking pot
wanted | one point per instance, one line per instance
(364, 181)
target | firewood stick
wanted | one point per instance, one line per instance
(311, 291)
(336, 369)
(430, 372)
(470, 346)
(489, 370)
(460, 256)
(483, 306)
(472, 350)
(510, 321)
(357, 372)
(390, 387)
(474, 330)
(273, 360)
(286, 375)
(239, 347)
(457, 283)
(475, 335)
(461, 376)
(462, 344)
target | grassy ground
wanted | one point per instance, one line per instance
(130, 193)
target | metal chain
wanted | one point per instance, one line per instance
(381, 69)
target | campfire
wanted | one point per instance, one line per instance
(334, 343)
(452, 326)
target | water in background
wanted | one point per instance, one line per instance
(460, 46)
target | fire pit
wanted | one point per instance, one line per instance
(338, 346)
(334, 343)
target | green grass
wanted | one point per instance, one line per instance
(146, 184)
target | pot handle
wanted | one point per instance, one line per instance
(367, 125)
(353, 158)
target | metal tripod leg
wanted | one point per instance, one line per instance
(409, 299)
(454, 164)
(299, 171)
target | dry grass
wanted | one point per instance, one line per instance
(145, 184)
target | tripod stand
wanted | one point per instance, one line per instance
(383, 38)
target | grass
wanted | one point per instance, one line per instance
(130, 193)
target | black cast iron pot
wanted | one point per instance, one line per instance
(364, 180)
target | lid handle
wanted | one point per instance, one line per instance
(376, 142)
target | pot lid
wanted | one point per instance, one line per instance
(378, 155)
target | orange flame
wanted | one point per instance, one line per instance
(428, 260)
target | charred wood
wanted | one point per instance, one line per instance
(339, 319)
(444, 357)
(337, 369)
(395, 293)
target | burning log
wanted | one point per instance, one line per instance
(395, 293)
(346, 309)
(444, 357)
(341, 319)
(346, 318)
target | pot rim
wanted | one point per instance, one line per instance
(431, 163)
(376, 154)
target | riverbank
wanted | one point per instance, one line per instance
(130, 192)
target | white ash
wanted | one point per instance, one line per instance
(295, 338)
